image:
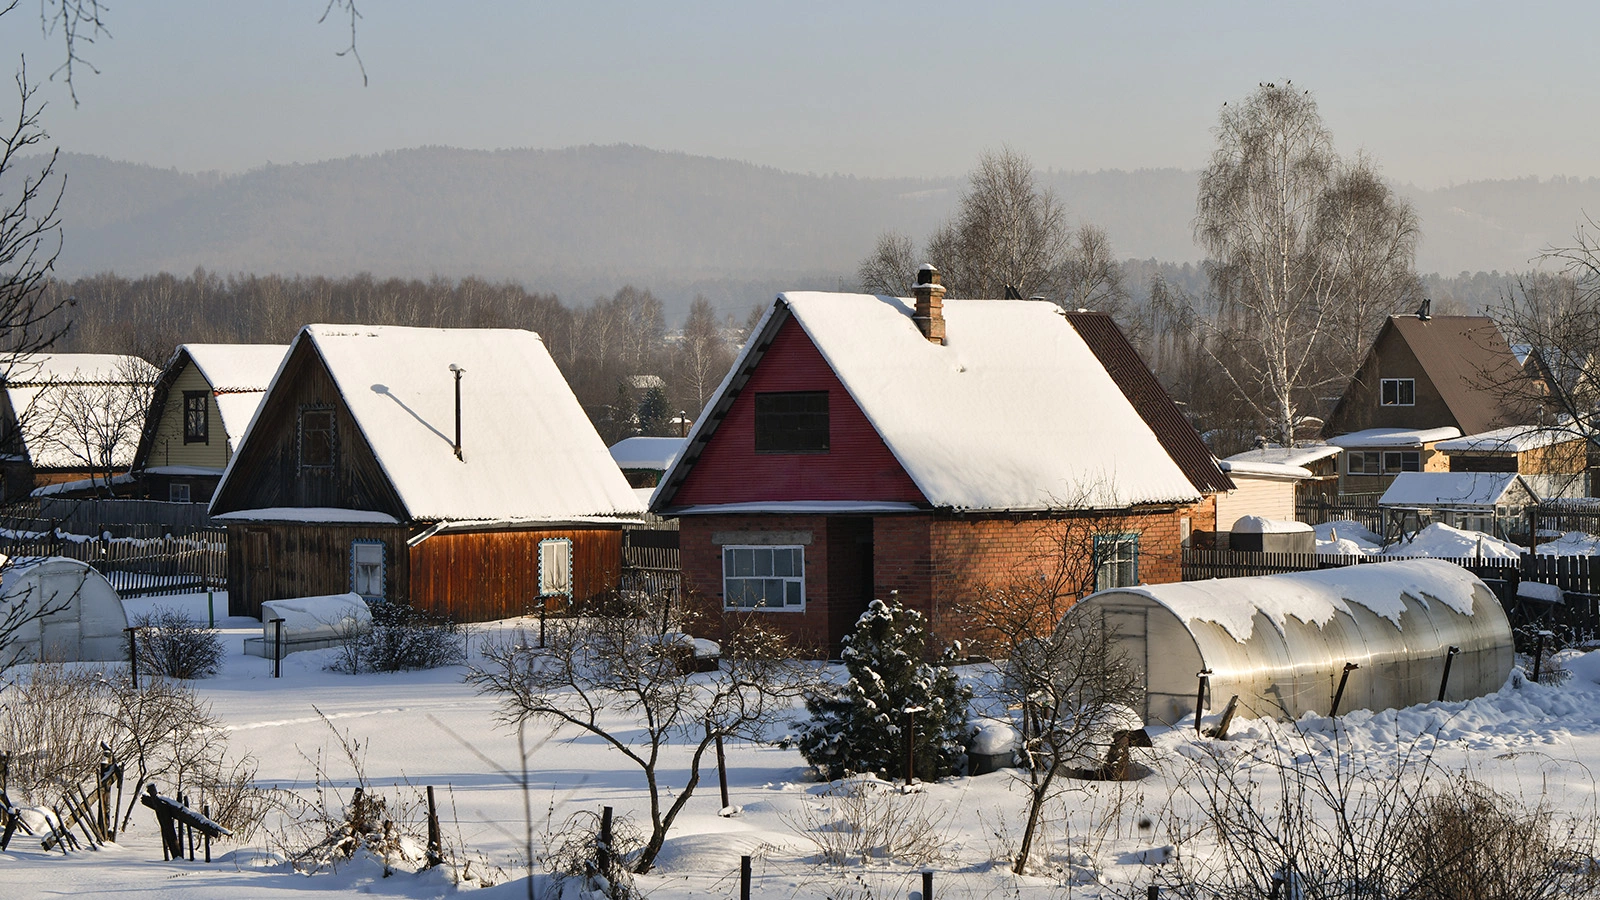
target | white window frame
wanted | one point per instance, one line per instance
(383, 568)
(1405, 391)
(178, 492)
(555, 572)
(794, 577)
(1112, 552)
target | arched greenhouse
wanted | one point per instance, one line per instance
(1282, 642)
(83, 621)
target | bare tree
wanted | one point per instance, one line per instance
(1294, 237)
(93, 419)
(598, 672)
(1009, 232)
(702, 357)
(891, 267)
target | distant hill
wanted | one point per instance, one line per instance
(586, 220)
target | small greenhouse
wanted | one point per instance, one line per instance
(1282, 642)
(84, 619)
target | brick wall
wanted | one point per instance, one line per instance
(701, 561)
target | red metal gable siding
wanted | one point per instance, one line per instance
(857, 466)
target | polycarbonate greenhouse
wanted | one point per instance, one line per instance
(84, 621)
(1282, 642)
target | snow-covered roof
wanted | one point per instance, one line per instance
(1315, 597)
(322, 514)
(1263, 469)
(647, 452)
(1394, 437)
(528, 451)
(1303, 455)
(1511, 439)
(238, 375)
(1454, 489)
(56, 395)
(1264, 525)
(1013, 412)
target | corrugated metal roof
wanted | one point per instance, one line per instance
(1152, 401)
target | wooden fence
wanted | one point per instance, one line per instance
(136, 567)
(650, 562)
(1575, 620)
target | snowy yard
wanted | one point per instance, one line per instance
(429, 728)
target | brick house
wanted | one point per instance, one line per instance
(863, 445)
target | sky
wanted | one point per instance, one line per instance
(1436, 93)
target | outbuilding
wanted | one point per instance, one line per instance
(1282, 642)
(82, 620)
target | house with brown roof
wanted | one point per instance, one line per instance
(867, 445)
(1426, 379)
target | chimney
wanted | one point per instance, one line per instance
(458, 370)
(929, 294)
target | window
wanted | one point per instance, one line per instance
(555, 567)
(1397, 461)
(178, 492)
(366, 569)
(1398, 392)
(316, 438)
(1116, 561)
(196, 417)
(1360, 462)
(792, 422)
(764, 578)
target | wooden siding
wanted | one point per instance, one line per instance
(1272, 498)
(271, 456)
(277, 560)
(480, 576)
(1390, 357)
(167, 447)
(857, 466)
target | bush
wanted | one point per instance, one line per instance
(176, 646)
(398, 639)
(864, 819)
(857, 729)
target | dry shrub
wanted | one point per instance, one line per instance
(400, 638)
(572, 852)
(174, 645)
(862, 819)
(51, 728)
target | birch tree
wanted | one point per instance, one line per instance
(1300, 246)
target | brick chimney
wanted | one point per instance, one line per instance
(929, 294)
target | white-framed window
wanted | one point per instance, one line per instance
(764, 577)
(1116, 560)
(555, 567)
(1397, 392)
(367, 568)
(178, 492)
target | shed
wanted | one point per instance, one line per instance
(1262, 535)
(86, 622)
(1281, 642)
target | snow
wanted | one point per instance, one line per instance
(83, 484)
(647, 452)
(800, 506)
(1296, 457)
(994, 738)
(1314, 597)
(181, 470)
(1534, 590)
(309, 514)
(1511, 439)
(529, 453)
(237, 409)
(1013, 412)
(1538, 742)
(231, 368)
(1444, 542)
(1262, 469)
(1263, 525)
(37, 384)
(1455, 489)
(1571, 543)
(1394, 437)
(308, 618)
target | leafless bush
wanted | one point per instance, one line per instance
(400, 638)
(572, 851)
(863, 819)
(172, 644)
(51, 728)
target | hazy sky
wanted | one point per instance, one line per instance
(1435, 92)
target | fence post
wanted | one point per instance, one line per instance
(602, 852)
(277, 648)
(211, 608)
(1538, 653)
(133, 654)
(435, 848)
(744, 878)
(927, 884)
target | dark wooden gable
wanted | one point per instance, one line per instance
(266, 473)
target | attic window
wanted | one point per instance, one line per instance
(1398, 392)
(316, 438)
(792, 422)
(196, 417)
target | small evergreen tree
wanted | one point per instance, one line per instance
(858, 728)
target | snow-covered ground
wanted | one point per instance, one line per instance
(1348, 538)
(429, 728)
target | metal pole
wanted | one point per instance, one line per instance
(722, 769)
(211, 614)
(1339, 694)
(927, 884)
(1200, 697)
(1538, 654)
(277, 648)
(911, 746)
(744, 878)
(1449, 657)
(206, 811)
(133, 655)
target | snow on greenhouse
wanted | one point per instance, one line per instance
(83, 618)
(1282, 642)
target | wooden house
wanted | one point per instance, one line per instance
(450, 469)
(68, 418)
(864, 446)
(1425, 379)
(1553, 461)
(203, 402)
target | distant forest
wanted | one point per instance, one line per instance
(634, 369)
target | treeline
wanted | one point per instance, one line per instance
(632, 375)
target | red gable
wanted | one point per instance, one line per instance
(857, 467)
